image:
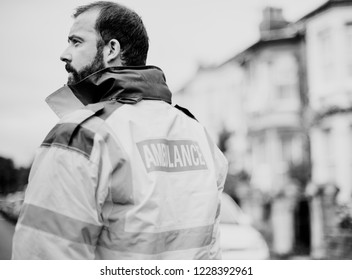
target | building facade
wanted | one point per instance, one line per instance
(271, 101)
(213, 96)
(328, 32)
(329, 65)
(287, 102)
(274, 70)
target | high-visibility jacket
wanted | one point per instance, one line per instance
(123, 175)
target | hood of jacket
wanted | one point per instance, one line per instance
(126, 84)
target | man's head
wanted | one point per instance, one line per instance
(104, 34)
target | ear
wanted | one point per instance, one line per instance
(112, 52)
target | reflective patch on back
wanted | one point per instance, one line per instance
(171, 155)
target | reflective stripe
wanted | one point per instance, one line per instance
(71, 136)
(60, 225)
(156, 243)
(189, 254)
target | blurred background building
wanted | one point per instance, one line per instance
(281, 111)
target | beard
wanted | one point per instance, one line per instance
(96, 65)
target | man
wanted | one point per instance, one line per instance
(123, 175)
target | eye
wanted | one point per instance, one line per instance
(76, 43)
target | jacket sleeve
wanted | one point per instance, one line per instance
(220, 169)
(61, 215)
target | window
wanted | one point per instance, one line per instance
(286, 148)
(350, 149)
(258, 149)
(284, 77)
(349, 48)
(329, 156)
(261, 149)
(326, 54)
(285, 91)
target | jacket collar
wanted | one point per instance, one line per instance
(123, 84)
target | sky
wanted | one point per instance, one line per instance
(183, 34)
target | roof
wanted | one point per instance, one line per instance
(284, 33)
(283, 38)
(325, 6)
(292, 33)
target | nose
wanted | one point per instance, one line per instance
(66, 56)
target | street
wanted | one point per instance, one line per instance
(6, 232)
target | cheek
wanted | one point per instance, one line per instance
(83, 58)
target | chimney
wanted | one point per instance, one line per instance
(272, 20)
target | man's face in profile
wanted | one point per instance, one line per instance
(84, 55)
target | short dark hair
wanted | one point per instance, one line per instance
(116, 21)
